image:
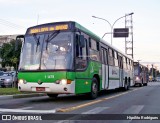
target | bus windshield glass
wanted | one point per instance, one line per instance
(47, 51)
(136, 70)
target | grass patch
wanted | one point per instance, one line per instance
(10, 91)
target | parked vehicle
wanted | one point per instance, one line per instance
(8, 79)
(1, 74)
(158, 79)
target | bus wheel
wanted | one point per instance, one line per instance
(94, 89)
(140, 84)
(52, 95)
(145, 84)
(126, 85)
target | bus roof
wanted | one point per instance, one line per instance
(77, 25)
(138, 63)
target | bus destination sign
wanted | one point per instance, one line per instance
(48, 28)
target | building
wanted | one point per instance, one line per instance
(6, 38)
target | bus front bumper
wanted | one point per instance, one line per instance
(47, 88)
(137, 81)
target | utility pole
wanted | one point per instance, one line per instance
(152, 71)
(129, 39)
(112, 25)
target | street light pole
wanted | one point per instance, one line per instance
(111, 25)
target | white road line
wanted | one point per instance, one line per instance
(25, 108)
(78, 117)
(134, 109)
(95, 110)
(28, 111)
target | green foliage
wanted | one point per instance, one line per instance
(9, 56)
(10, 91)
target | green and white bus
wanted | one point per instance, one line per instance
(66, 58)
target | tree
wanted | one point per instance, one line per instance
(9, 56)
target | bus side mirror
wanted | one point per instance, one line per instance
(19, 37)
(81, 41)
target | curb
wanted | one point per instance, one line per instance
(21, 96)
(6, 97)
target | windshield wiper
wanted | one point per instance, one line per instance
(52, 36)
(37, 40)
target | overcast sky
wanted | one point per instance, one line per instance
(17, 15)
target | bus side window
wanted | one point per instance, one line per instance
(124, 62)
(94, 50)
(104, 55)
(110, 57)
(115, 58)
(81, 53)
(120, 62)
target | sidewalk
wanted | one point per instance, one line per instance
(16, 96)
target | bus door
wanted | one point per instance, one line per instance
(104, 58)
(120, 64)
(81, 57)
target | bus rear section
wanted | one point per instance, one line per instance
(140, 74)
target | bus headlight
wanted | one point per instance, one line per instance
(22, 81)
(137, 78)
(64, 81)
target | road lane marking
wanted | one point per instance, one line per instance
(28, 111)
(92, 102)
(25, 108)
(87, 113)
(135, 109)
(95, 110)
(78, 106)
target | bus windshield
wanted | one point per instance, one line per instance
(49, 51)
(136, 70)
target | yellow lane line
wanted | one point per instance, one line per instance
(119, 94)
(78, 106)
(90, 103)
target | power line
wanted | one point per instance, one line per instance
(10, 24)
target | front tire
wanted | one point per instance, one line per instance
(94, 89)
(145, 84)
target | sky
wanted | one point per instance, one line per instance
(17, 15)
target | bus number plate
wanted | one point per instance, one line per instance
(40, 88)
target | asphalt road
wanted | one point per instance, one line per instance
(111, 106)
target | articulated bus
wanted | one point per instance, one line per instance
(141, 75)
(66, 58)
